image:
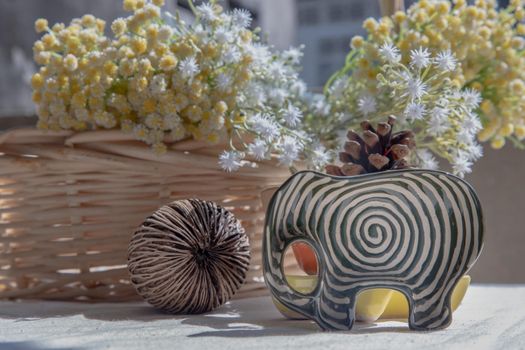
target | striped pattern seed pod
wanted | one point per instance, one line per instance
(189, 257)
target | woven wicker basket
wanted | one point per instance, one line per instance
(69, 203)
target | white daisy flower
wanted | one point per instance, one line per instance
(206, 12)
(292, 115)
(293, 55)
(446, 61)
(439, 113)
(320, 105)
(465, 137)
(461, 165)
(260, 54)
(277, 70)
(416, 88)
(437, 126)
(291, 144)
(189, 67)
(471, 123)
(254, 94)
(415, 111)
(471, 98)
(224, 81)
(299, 88)
(230, 160)
(427, 160)
(289, 148)
(390, 53)
(438, 122)
(367, 105)
(202, 33)
(420, 58)
(223, 35)
(265, 127)
(319, 157)
(278, 96)
(242, 18)
(231, 55)
(474, 151)
(258, 149)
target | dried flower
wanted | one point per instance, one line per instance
(422, 94)
(289, 150)
(390, 53)
(420, 58)
(242, 18)
(427, 160)
(462, 165)
(163, 79)
(258, 149)
(446, 61)
(367, 105)
(482, 44)
(188, 67)
(230, 160)
(41, 25)
(292, 115)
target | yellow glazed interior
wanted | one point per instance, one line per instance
(373, 304)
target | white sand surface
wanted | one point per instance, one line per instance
(491, 317)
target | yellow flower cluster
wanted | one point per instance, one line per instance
(160, 82)
(487, 42)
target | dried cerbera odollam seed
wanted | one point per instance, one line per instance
(189, 257)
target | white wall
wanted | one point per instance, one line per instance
(499, 179)
(278, 19)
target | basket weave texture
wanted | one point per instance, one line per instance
(69, 203)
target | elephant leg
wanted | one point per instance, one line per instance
(431, 312)
(335, 312)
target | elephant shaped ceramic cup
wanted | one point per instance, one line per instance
(414, 231)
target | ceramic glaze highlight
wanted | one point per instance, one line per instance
(415, 231)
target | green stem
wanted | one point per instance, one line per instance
(348, 65)
(192, 7)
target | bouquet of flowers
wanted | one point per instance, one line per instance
(448, 71)
(421, 94)
(164, 80)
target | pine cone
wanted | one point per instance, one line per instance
(376, 150)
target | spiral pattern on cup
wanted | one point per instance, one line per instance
(417, 231)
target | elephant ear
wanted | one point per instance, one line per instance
(267, 194)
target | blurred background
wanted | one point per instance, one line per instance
(325, 27)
